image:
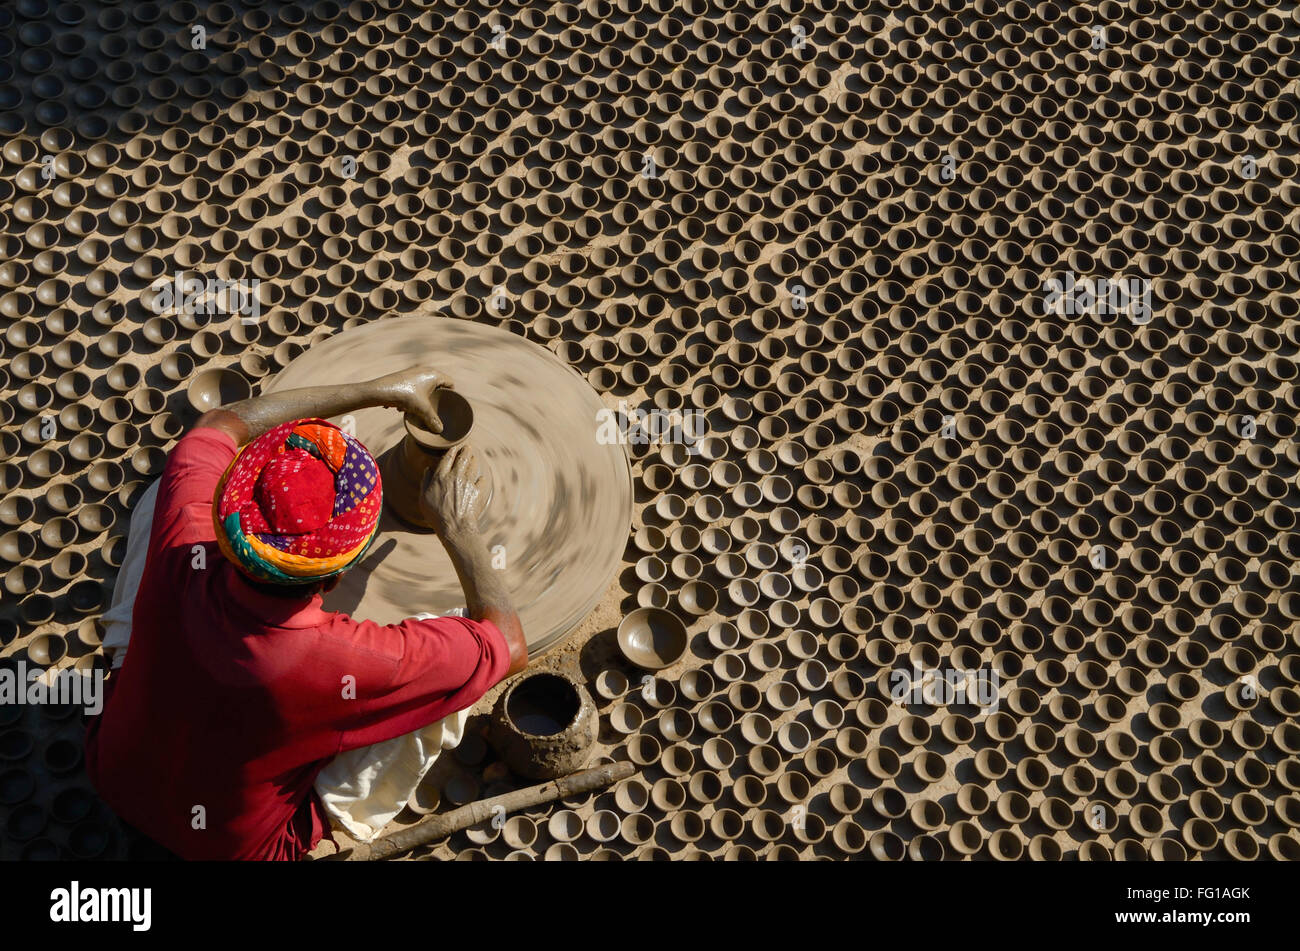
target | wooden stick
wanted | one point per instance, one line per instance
(439, 827)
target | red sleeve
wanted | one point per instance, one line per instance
(442, 665)
(183, 513)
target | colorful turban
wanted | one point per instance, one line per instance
(298, 504)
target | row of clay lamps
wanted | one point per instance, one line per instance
(718, 712)
(49, 814)
(676, 724)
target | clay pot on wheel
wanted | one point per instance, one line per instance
(544, 725)
(403, 466)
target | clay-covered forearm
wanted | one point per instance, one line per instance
(483, 585)
(486, 597)
(262, 413)
(410, 390)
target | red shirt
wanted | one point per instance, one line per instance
(233, 700)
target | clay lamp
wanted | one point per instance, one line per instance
(652, 638)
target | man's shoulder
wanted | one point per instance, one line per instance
(204, 442)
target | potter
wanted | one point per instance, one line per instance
(278, 522)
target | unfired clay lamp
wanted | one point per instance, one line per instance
(652, 638)
(561, 502)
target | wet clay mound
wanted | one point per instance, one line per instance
(991, 310)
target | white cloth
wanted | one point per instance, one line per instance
(361, 789)
(116, 621)
(364, 789)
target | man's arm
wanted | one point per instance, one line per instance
(408, 390)
(450, 494)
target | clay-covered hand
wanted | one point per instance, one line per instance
(450, 494)
(412, 391)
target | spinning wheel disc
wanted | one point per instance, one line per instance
(561, 505)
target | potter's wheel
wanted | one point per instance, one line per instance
(561, 504)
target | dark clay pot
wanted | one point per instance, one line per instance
(544, 725)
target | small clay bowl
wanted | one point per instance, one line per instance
(217, 386)
(611, 684)
(652, 638)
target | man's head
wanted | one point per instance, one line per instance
(297, 507)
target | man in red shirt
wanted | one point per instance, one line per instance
(235, 693)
